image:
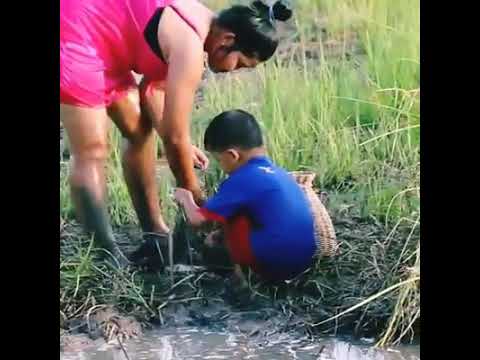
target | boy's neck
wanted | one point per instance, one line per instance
(247, 155)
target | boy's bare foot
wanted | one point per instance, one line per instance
(217, 259)
(215, 238)
(236, 287)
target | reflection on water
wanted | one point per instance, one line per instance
(194, 343)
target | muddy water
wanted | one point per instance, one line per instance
(197, 343)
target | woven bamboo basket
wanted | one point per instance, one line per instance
(324, 231)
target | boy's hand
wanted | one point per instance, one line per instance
(187, 200)
(183, 196)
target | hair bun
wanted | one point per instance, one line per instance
(260, 6)
(281, 11)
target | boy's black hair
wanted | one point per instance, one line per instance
(254, 27)
(234, 128)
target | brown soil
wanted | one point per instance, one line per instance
(98, 325)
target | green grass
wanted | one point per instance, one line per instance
(353, 119)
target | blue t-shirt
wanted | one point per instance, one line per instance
(282, 224)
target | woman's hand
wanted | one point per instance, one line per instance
(198, 197)
(200, 160)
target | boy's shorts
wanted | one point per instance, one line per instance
(238, 243)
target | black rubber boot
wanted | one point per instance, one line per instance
(97, 222)
(153, 253)
(117, 258)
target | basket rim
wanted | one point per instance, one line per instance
(303, 173)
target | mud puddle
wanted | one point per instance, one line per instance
(182, 343)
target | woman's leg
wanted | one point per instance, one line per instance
(87, 131)
(139, 160)
(134, 116)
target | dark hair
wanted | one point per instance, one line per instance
(254, 27)
(234, 128)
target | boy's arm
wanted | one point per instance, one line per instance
(228, 201)
(185, 198)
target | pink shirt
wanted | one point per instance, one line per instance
(102, 41)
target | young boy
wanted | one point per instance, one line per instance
(268, 223)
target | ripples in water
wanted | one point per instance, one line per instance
(194, 343)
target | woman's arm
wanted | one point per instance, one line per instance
(185, 198)
(153, 102)
(185, 57)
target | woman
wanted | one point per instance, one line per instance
(101, 42)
